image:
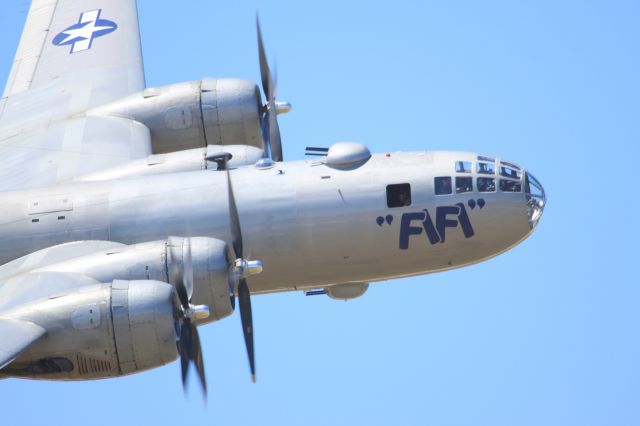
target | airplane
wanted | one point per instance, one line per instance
(132, 214)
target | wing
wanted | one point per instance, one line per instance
(16, 336)
(23, 280)
(51, 255)
(73, 55)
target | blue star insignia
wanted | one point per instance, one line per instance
(80, 36)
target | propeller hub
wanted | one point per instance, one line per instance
(283, 107)
(248, 267)
(198, 312)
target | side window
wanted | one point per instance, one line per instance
(486, 168)
(399, 195)
(510, 186)
(442, 185)
(463, 166)
(463, 184)
(486, 184)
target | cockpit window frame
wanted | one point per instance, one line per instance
(531, 182)
(464, 167)
(467, 188)
(437, 186)
(506, 183)
(488, 184)
(489, 170)
(506, 170)
(513, 166)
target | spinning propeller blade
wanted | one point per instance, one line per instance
(244, 295)
(189, 347)
(270, 110)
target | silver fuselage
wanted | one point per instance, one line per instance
(311, 226)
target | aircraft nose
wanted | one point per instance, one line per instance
(536, 199)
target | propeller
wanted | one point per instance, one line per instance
(189, 347)
(270, 110)
(242, 268)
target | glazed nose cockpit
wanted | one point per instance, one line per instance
(536, 198)
(506, 180)
(511, 181)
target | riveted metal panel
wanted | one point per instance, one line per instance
(121, 328)
(152, 323)
(56, 203)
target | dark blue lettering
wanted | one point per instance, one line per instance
(430, 229)
(441, 219)
(406, 230)
(465, 223)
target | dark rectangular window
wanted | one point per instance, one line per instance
(513, 166)
(486, 168)
(442, 185)
(508, 171)
(399, 195)
(463, 166)
(510, 186)
(486, 184)
(464, 184)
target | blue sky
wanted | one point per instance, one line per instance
(545, 334)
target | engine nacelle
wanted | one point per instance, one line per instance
(212, 280)
(99, 330)
(194, 114)
(231, 112)
(163, 261)
(180, 161)
(143, 324)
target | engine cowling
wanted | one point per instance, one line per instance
(99, 330)
(231, 112)
(194, 114)
(211, 273)
(163, 260)
(143, 324)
